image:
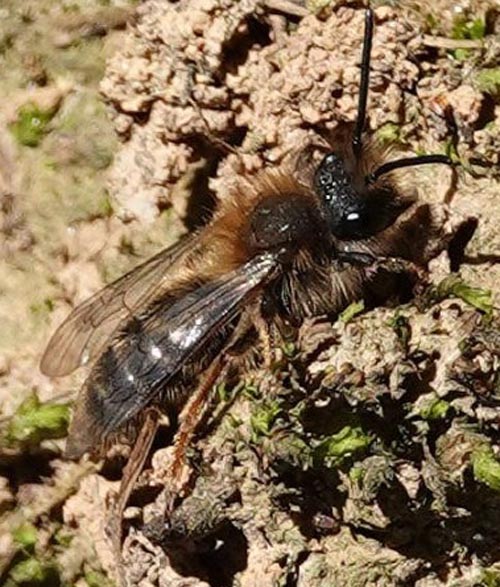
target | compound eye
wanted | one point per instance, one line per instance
(344, 206)
(350, 223)
(329, 172)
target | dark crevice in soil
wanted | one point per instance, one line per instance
(201, 202)
(236, 49)
(215, 558)
(20, 469)
(486, 113)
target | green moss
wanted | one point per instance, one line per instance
(486, 467)
(263, 418)
(389, 133)
(289, 349)
(352, 310)
(31, 572)
(488, 80)
(333, 450)
(97, 579)
(431, 21)
(436, 409)
(25, 535)
(490, 578)
(31, 124)
(454, 286)
(34, 422)
(222, 392)
(401, 326)
(451, 151)
(463, 28)
(356, 473)
(105, 206)
(250, 390)
(43, 308)
(62, 537)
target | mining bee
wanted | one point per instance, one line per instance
(298, 240)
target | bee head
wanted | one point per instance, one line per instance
(347, 213)
(356, 209)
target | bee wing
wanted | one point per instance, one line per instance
(129, 374)
(84, 332)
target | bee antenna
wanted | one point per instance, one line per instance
(407, 162)
(364, 82)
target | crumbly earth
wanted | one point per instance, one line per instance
(370, 454)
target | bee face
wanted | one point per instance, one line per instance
(345, 209)
(353, 208)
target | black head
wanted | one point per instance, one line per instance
(357, 209)
(345, 209)
(361, 208)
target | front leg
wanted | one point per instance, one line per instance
(372, 264)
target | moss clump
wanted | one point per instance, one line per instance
(262, 420)
(401, 326)
(25, 535)
(491, 578)
(488, 80)
(454, 286)
(333, 450)
(389, 133)
(352, 310)
(35, 421)
(97, 579)
(464, 28)
(486, 467)
(33, 571)
(32, 124)
(435, 409)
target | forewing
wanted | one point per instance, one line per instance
(83, 334)
(129, 375)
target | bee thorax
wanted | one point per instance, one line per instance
(284, 221)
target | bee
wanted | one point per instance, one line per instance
(299, 240)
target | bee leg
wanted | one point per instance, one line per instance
(373, 263)
(190, 418)
(266, 337)
(131, 472)
(397, 265)
(268, 378)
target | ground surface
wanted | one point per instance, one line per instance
(371, 457)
